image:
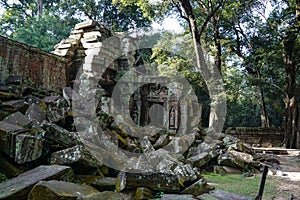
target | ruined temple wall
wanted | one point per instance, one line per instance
(257, 135)
(46, 70)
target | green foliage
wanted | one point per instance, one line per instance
(22, 22)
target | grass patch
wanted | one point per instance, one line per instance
(243, 186)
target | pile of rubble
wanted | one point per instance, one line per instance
(41, 145)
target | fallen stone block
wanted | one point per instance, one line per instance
(85, 24)
(180, 145)
(37, 112)
(27, 148)
(146, 145)
(59, 190)
(185, 174)
(107, 195)
(224, 195)
(19, 119)
(198, 188)
(153, 181)
(6, 96)
(100, 183)
(228, 159)
(19, 187)
(207, 196)
(199, 160)
(58, 135)
(57, 110)
(18, 143)
(78, 158)
(177, 197)
(14, 106)
(162, 141)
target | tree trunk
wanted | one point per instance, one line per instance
(210, 74)
(263, 111)
(291, 99)
(218, 60)
(291, 104)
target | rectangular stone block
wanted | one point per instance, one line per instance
(85, 24)
(78, 157)
(19, 187)
(91, 36)
(58, 135)
(28, 148)
(59, 190)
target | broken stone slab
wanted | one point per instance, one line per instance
(213, 148)
(58, 135)
(177, 197)
(92, 36)
(143, 193)
(18, 144)
(138, 163)
(14, 106)
(59, 190)
(207, 196)
(237, 144)
(244, 157)
(106, 195)
(50, 99)
(224, 195)
(198, 188)
(19, 187)
(7, 96)
(101, 183)
(185, 174)
(85, 24)
(263, 157)
(146, 145)
(78, 158)
(57, 110)
(163, 160)
(229, 159)
(19, 119)
(153, 181)
(199, 160)
(162, 141)
(180, 145)
(28, 148)
(37, 112)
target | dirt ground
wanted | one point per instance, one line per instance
(288, 177)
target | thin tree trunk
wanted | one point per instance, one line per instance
(263, 111)
(218, 60)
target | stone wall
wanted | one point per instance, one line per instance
(258, 136)
(46, 70)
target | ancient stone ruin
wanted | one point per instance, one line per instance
(50, 149)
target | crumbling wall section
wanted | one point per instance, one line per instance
(46, 70)
(257, 136)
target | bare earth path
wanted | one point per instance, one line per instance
(288, 180)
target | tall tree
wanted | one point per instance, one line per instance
(43, 23)
(291, 46)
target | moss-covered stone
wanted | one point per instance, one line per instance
(59, 190)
